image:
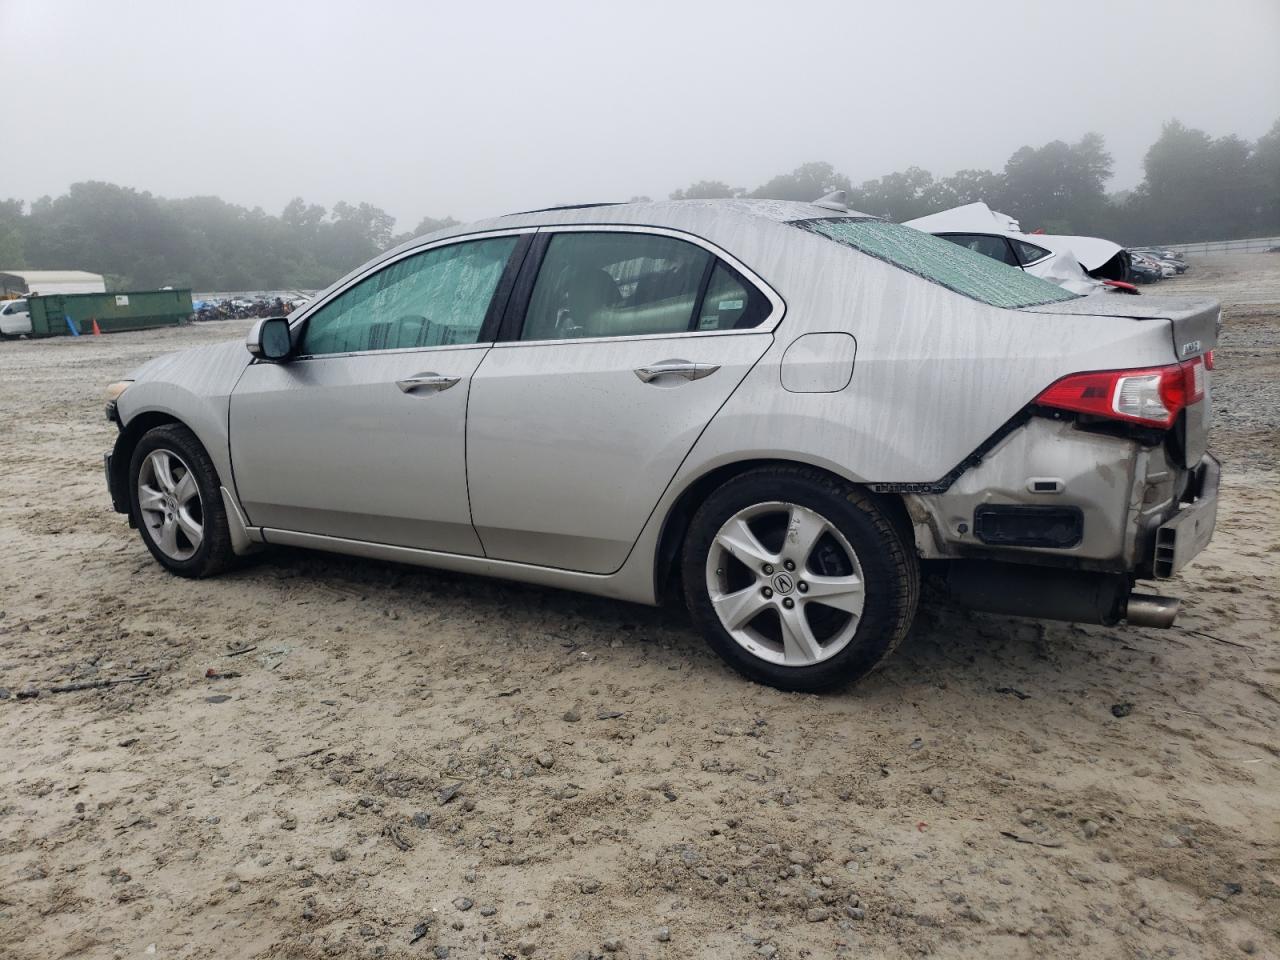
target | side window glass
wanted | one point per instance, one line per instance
(731, 303)
(1029, 252)
(614, 285)
(435, 298)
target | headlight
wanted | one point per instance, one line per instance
(117, 388)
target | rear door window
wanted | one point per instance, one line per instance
(625, 284)
(614, 285)
(947, 264)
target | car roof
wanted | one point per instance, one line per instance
(714, 220)
(731, 224)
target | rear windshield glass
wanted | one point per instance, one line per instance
(954, 267)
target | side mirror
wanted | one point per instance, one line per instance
(269, 339)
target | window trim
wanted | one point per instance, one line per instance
(488, 327)
(518, 305)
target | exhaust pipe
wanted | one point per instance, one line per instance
(1148, 610)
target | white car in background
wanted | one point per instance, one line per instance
(1082, 265)
(15, 318)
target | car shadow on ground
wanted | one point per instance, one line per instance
(947, 646)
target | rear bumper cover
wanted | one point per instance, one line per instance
(1132, 508)
(1025, 589)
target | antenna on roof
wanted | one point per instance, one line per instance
(836, 200)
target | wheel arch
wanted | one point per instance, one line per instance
(675, 525)
(126, 442)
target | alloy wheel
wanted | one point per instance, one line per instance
(170, 505)
(785, 584)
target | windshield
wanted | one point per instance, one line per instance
(955, 267)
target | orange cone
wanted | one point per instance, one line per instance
(96, 331)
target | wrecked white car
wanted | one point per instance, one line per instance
(1082, 265)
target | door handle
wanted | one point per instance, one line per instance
(427, 383)
(676, 368)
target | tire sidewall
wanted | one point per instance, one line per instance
(182, 442)
(888, 598)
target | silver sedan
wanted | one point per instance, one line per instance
(785, 412)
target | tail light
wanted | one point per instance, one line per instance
(1152, 396)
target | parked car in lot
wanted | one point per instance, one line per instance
(1166, 258)
(15, 318)
(783, 411)
(1144, 268)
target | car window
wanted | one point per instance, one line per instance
(435, 298)
(614, 285)
(938, 261)
(731, 303)
(1029, 252)
(989, 246)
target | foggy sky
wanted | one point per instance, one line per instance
(477, 108)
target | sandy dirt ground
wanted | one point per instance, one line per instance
(418, 764)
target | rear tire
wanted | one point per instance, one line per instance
(797, 579)
(175, 500)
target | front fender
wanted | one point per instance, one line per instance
(194, 388)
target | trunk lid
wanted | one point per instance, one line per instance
(1194, 323)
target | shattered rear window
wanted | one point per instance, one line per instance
(940, 261)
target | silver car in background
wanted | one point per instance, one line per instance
(784, 411)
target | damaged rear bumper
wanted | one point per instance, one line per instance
(1055, 495)
(1058, 523)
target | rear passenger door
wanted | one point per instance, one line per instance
(620, 346)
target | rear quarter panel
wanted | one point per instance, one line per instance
(936, 373)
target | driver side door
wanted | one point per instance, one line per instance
(361, 435)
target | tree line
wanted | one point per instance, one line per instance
(137, 240)
(1195, 187)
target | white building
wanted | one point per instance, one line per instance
(45, 282)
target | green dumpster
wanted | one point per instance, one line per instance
(113, 312)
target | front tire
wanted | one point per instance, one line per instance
(797, 579)
(176, 503)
